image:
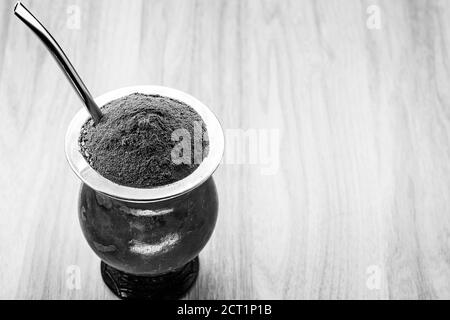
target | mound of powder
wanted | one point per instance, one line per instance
(132, 143)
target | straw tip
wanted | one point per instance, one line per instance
(17, 5)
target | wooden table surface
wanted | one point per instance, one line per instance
(359, 206)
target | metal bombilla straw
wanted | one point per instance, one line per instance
(41, 32)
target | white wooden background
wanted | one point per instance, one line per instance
(360, 205)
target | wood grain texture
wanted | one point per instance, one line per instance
(364, 116)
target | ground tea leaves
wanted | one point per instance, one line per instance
(132, 143)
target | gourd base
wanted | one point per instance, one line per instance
(170, 286)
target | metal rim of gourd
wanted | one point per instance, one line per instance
(99, 183)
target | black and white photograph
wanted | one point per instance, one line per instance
(225, 150)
